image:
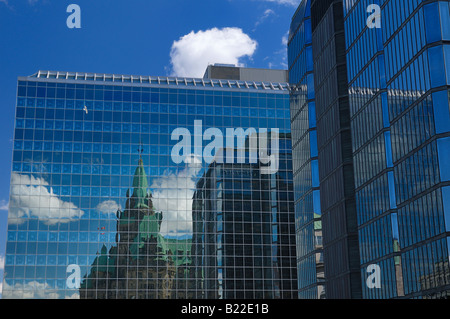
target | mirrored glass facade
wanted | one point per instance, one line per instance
(106, 180)
(334, 143)
(305, 156)
(398, 116)
(398, 85)
(241, 214)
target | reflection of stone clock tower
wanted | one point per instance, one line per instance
(139, 267)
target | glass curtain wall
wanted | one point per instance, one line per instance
(105, 172)
(305, 156)
(398, 66)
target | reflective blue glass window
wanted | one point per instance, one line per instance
(447, 62)
(444, 156)
(392, 196)
(387, 139)
(308, 35)
(309, 58)
(445, 19)
(312, 114)
(448, 247)
(441, 110)
(437, 69)
(446, 202)
(315, 173)
(394, 222)
(311, 91)
(313, 143)
(433, 26)
(316, 202)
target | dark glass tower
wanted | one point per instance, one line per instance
(381, 114)
(398, 80)
(336, 177)
(305, 156)
(247, 218)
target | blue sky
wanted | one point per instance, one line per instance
(138, 37)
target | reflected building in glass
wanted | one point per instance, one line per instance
(142, 264)
(105, 175)
(247, 217)
(392, 93)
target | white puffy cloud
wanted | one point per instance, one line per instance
(192, 53)
(33, 290)
(30, 290)
(108, 207)
(33, 197)
(172, 195)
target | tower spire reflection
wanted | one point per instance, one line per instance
(139, 265)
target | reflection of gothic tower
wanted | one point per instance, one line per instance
(139, 266)
(139, 223)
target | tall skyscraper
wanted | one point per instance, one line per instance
(334, 143)
(398, 81)
(104, 174)
(247, 217)
(391, 93)
(305, 156)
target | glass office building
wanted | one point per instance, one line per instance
(334, 144)
(236, 207)
(396, 74)
(305, 156)
(398, 81)
(328, 259)
(105, 172)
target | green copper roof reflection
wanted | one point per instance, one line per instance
(140, 185)
(149, 226)
(103, 262)
(177, 250)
